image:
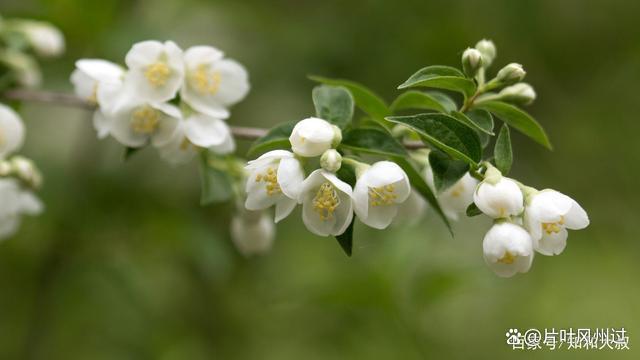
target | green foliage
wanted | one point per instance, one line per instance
(334, 104)
(472, 210)
(423, 100)
(346, 239)
(502, 152)
(365, 99)
(373, 141)
(518, 119)
(446, 171)
(441, 77)
(215, 183)
(276, 138)
(446, 133)
(481, 127)
(129, 152)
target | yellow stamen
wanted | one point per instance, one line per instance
(157, 73)
(145, 120)
(204, 81)
(507, 258)
(270, 178)
(383, 195)
(554, 227)
(326, 201)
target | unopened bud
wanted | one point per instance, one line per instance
(337, 136)
(331, 160)
(252, 232)
(488, 50)
(521, 93)
(511, 74)
(26, 171)
(471, 61)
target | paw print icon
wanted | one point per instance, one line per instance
(514, 338)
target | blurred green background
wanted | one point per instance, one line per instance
(124, 264)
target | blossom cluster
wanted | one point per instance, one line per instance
(278, 178)
(175, 100)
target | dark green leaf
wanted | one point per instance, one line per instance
(371, 140)
(276, 138)
(347, 174)
(346, 239)
(472, 210)
(414, 99)
(483, 119)
(441, 77)
(502, 153)
(518, 119)
(418, 182)
(129, 152)
(334, 104)
(446, 133)
(365, 99)
(463, 118)
(215, 184)
(446, 171)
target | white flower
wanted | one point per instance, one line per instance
(548, 215)
(212, 83)
(15, 202)
(455, 199)
(499, 199)
(312, 137)
(91, 73)
(46, 39)
(378, 192)
(252, 232)
(275, 178)
(411, 211)
(11, 131)
(156, 70)
(135, 125)
(327, 206)
(507, 249)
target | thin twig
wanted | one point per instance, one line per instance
(69, 100)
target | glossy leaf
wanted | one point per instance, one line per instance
(372, 140)
(441, 77)
(346, 239)
(472, 210)
(465, 119)
(334, 104)
(517, 119)
(365, 99)
(276, 138)
(415, 99)
(446, 171)
(446, 133)
(502, 152)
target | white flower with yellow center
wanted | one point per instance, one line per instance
(11, 131)
(275, 178)
(455, 199)
(212, 84)
(548, 215)
(508, 249)
(136, 125)
(91, 73)
(156, 70)
(378, 192)
(498, 196)
(15, 202)
(312, 137)
(327, 205)
(252, 232)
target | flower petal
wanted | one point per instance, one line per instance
(284, 207)
(205, 131)
(290, 177)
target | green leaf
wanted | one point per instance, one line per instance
(446, 171)
(215, 184)
(365, 99)
(483, 119)
(502, 153)
(518, 119)
(430, 100)
(373, 141)
(346, 239)
(472, 210)
(129, 152)
(446, 133)
(334, 104)
(463, 118)
(276, 138)
(418, 182)
(347, 174)
(441, 77)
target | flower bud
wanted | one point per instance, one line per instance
(511, 74)
(252, 232)
(499, 197)
(331, 160)
(507, 249)
(312, 137)
(521, 93)
(488, 51)
(46, 39)
(471, 62)
(26, 171)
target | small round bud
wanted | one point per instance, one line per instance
(488, 50)
(337, 136)
(511, 74)
(471, 62)
(521, 93)
(331, 160)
